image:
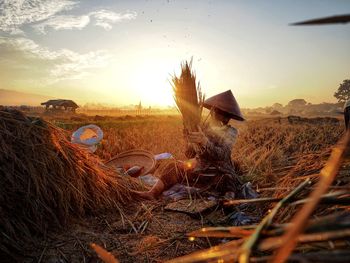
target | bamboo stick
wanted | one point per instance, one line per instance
(254, 200)
(275, 242)
(326, 197)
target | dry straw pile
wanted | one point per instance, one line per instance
(46, 181)
(188, 97)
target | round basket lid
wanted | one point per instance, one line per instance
(132, 158)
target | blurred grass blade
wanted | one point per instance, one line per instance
(104, 255)
(223, 253)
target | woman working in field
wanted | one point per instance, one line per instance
(210, 149)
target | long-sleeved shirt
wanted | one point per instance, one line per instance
(214, 160)
(216, 154)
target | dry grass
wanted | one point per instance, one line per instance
(46, 181)
(270, 152)
(268, 149)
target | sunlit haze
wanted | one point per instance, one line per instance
(123, 52)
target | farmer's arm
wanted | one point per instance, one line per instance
(213, 150)
(218, 151)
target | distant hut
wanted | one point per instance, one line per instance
(60, 105)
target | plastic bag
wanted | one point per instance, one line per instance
(88, 137)
(163, 156)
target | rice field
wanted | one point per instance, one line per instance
(263, 146)
(271, 152)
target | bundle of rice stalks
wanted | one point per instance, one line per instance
(46, 181)
(188, 97)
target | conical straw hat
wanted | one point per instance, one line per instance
(226, 102)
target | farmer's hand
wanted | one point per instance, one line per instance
(198, 137)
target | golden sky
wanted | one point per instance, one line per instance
(121, 52)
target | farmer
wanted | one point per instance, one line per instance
(210, 149)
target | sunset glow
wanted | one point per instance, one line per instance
(124, 52)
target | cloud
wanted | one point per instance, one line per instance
(25, 57)
(43, 14)
(77, 66)
(102, 18)
(16, 13)
(105, 18)
(61, 64)
(63, 22)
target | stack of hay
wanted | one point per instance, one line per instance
(46, 181)
(188, 97)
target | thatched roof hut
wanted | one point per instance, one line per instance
(61, 104)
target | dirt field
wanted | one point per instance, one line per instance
(269, 151)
